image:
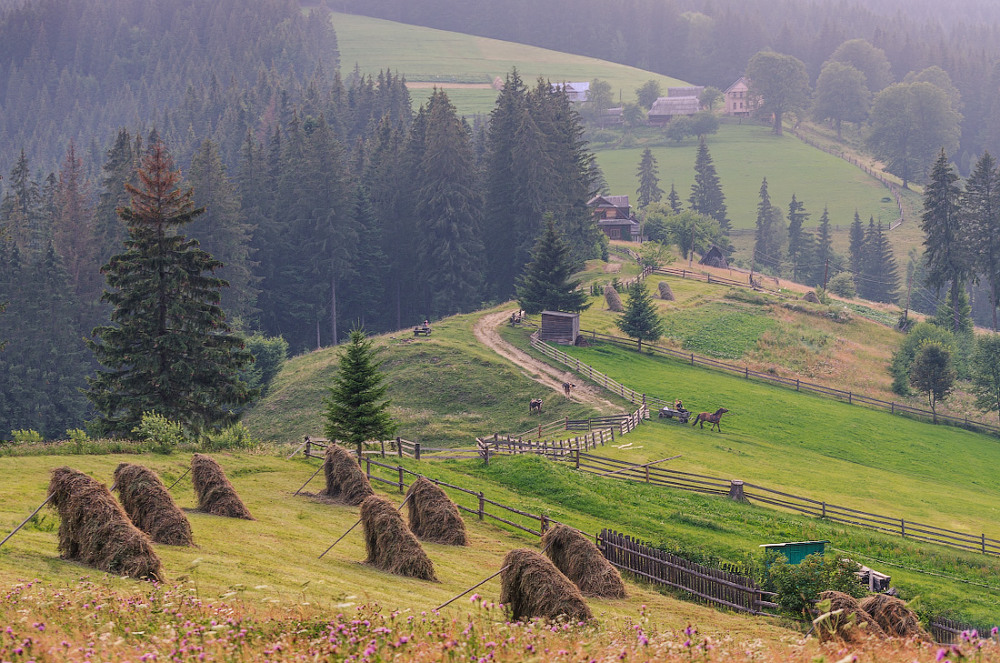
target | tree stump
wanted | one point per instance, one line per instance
(736, 491)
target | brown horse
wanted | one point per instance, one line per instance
(710, 418)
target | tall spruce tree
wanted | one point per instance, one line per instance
(547, 282)
(797, 216)
(649, 190)
(640, 319)
(706, 192)
(980, 208)
(823, 259)
(856, 248)
(945, 241)
(766, 250)
(879, 274)
(168, 348)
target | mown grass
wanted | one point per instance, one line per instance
(447, 58)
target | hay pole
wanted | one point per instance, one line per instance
(320, 469)
(638, 467)
(178, 479)
(353, 526)
(33, 513)
(482, 582)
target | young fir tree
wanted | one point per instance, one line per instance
(640, 319)
(766, 250)
(945, 240)
(980, 208)
(649, 190)
(356, 408)
(119, 168)
(546, 283)
(797, 216)
(986, 373)
(674, 200)
(823, 267)
(856, 249)
(169, 349)
(879, 274)
(706, 193)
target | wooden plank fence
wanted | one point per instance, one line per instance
(949, 631)
(708, 278)
(730, 590)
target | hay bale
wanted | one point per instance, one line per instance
(613, 299)
(94, 530)
(215, 494)
(811, 297)
(532, 587)
(582, 562)
(345, 482)
(864, 625)
(665, 291)
(893, 616)
(391, 546)
(434, 517)
(148, 503)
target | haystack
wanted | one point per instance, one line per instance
(345, 482)
(434, 517)
(391, 546)
(811, 297)
(532, 587)
(148, 503)
(582, 562)
(665, 291)
(613, 299)
(94, 530)
(891, 613)
(215, 494)
(864, 625)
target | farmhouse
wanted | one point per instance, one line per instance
(614, 217)
(577, 92)
(738, 100)
(666, 108)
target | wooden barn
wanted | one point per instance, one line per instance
(714, 258)
(560, 327)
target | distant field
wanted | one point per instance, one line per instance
(454, 60)
(743, 156)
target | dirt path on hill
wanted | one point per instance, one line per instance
(485, 331)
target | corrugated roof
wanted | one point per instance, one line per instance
(670, 106)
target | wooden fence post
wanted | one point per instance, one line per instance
(400, 468)
(399, 447)
(746, 372)
(984, 543)
(368, 467)
(544, 526)
(850, 397)
(578, 467)
(902, 527)
(482, 501)
(416, 450)
(308, 446)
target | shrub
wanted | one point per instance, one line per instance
(159, 431)
(269, 355)
(28, 436)
(798, 585)
(843, 285)
(77, 435)
(236, 436)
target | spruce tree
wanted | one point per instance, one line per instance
(649, 190)
(856, 249)
(640, 319)
(880, 274)
(766, 250)
(168, 348)
(797, 215)
(674, 200)
(706, 193)
(945, 240)
(356, 408)
(823, 267)
(546, 283)
(119, 168)
(980, 208)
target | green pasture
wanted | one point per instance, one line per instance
(743, 156)
(455, 61)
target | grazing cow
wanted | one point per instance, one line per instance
(710, 418)
(534, 405)
(567, 387)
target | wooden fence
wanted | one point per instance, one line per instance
(731, 590)
(717, 280)
(949, 631)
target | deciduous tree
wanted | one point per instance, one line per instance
(780, 85)
(841, 95)
(932, 374)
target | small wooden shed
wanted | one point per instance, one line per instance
(560, 327)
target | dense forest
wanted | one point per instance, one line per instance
(708, 42)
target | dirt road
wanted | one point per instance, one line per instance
(552, 378)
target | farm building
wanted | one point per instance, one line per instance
(690, 91)
(714, 257)
(560, 327)
(577, 92)
(666, 108)
(738, 101)
(614, 217)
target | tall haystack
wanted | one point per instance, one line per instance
(532, 587)
(891, 613)
(215, 494)
(665, 292)
(94, 530)
(433, 516)
(391, 546)
(148, 503)
(862, 626)
(345, 482)
(582, 562)
(613, 299)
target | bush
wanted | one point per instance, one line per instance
(28, 436)
(843, 285)
(159, 431)
(77, 435)
(269, 355)
(798, 585)
(236, 436)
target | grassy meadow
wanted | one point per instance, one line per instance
(465, 66)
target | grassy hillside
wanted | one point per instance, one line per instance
(465, 66)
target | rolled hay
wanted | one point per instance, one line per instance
(863, 625)
(150, 507)
(532, 587)
(665, 291)
(811, 297)
(582, 562)
(215, 494)
(391, 546)
(345, 482)
(895, 618)
(433, 516)
(95, 530)
(614, 301)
